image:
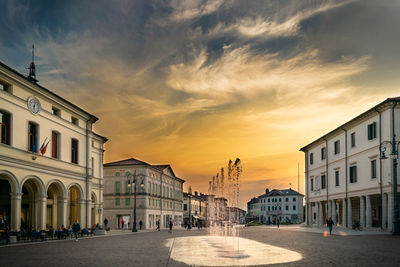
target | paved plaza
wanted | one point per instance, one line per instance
(266, 245)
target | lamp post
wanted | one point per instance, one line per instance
(130, 183)
(190, 217)
(393, 155)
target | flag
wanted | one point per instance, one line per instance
(44, 147)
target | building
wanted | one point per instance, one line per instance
(348, 177)
(253, 209)
(236, 215)
(285, 205)
(159, 194)
(198, 208)
(51, 161)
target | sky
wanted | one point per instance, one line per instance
(196, 83)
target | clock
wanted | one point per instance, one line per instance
(34, 105)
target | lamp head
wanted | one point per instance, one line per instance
(383, 156)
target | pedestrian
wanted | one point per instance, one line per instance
(277, 223)
(129, 225)
(170, 226)
(330, 225)
(105, 223)
(140, 225)
(122, 222)
(158, 225)
(76, 228)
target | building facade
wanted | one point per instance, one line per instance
(285, 205)
(51, 161)
(198, 208)
(159, 195)
(348, 177)
(253, 209)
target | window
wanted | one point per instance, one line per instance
(280, 199)
(287, 199)
(5, 87)
(55, 141)
(372, 131)
(5, 124)
(269, 200)
(55, 111)
(117, 187)
(353, 139)
(92, 166)
(323, 181)
(323, 152)
(76, 122)
(311, 158)
(336, 178)
(337, 147)
(287, 207)
(117, 202)
(32, 137)
(373, 169)
(127, 187)
(353, 174)
(294, 199)
(74, 151)
(269, 208)
(312, 184)
(127, 201)
(294, 207)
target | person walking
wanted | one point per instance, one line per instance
(140, 225)
(105, 223)
(76, 228)
(170, 226)
(158, 225)
(122, 222)
(277, 223)
(330, 225)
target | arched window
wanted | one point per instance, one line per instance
(5, 124)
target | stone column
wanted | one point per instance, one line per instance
(16, 211)
(384, 211)
(362, 211)
(62, 211)
(81, 212)
(43, 212)
(321, 213)
(390, 211)
(334, 211)
(344, 212)
(368, 214)
(54, 214)
(329, 207)
(349, 213)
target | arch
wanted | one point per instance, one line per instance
(60, 185)
(93, 196)
(81, 193)
(38, 181)
(12, 179)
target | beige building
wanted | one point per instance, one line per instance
(53, 187)
(158, 199)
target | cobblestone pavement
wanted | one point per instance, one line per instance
(153, 249)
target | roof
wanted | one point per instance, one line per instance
(92, 117)
(133, 161)
(284, 192)
(381, 105)
(126, 162)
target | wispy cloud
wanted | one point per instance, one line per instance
(189, 9)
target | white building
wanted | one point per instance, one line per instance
(159, 199)
(285, 205)
(345, 177)
(254, 210)
(54, 187)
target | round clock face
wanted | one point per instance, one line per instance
(34, 105)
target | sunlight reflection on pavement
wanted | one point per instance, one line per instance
(227, 251)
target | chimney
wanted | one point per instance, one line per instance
(266, 191)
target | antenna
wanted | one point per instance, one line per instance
(32, 67)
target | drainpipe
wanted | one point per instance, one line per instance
(346, 163)
(380, 160)
(327, 180)
(88, 124)
(306, 191)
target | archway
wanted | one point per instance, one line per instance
(54, 207)
(74, 205)
(5, 204)
(33, 204)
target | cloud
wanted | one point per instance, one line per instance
(189, 9)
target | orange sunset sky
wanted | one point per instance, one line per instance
(196, 83)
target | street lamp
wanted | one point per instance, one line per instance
(190, 217)
(130, 183)
(394, 155)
